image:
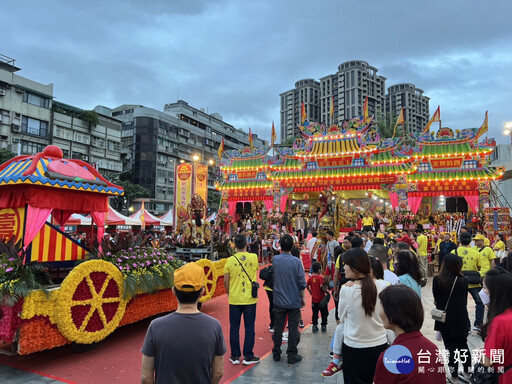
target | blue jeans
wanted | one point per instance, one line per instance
(479, 313)
(235, 317)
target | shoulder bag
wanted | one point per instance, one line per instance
(473, 277)
(254, 284)
(439, 315)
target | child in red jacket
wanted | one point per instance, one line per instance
(318, 291)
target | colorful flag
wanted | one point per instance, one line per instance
(399, 120)
(142, 217)
(332, 108)
(273, 136)
(365, 109)
(435, 117)
(221, 149)
(303, 113)
(251, 138)
(485, 126)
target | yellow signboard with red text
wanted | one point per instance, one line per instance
(201, 181)
(182, 191)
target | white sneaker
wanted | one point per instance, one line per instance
(285, 336)
(234, 360)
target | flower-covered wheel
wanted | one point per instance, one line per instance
(90, 304)
(210, 283)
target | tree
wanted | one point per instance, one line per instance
(213, 200)
(5, 155)
(386, 125)
(131, 192)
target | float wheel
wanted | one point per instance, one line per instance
(210, 283)
(90, 304)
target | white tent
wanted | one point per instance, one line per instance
(115, 218)
(78, 219)
(168, 218)
(148, 218)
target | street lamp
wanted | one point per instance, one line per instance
(211, 162)
(195, 157)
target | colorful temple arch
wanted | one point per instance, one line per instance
(353, 159)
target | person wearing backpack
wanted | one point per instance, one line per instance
(472, 261)
(267, 275)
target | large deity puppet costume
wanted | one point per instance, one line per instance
(197, 230)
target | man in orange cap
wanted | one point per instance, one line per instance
(186, 346)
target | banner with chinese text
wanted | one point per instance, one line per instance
(182, 191)
(201, 181)
(12, 223)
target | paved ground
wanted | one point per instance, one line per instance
(314, 347)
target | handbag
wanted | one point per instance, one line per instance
(484, 375)
(323, 303)
(439, 315)
(254, 284)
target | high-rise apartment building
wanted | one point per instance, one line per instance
(349, 87)
(30, 120)
(153, 142)
(415, 105)
(347, 90)
(306, 91)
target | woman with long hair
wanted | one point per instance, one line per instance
(361, 327)
(407, 268)
(457, 325)
(497, 332)
(402, 313)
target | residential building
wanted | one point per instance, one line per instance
(89, 136)
(502, 157)
(30, 120)
(348, 87)
(415, 105)
(306, 91)
(154, 141)
(346, 90)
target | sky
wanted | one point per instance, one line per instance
(235, 57)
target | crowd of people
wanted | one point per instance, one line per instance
(376, 283)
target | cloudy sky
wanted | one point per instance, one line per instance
(235, 57)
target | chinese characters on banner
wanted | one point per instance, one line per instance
(247, 174)
(11, 223)
(201, 181)
(340, 181)
(454, 185)
(453, 162)
(183, 190)
(335, 161)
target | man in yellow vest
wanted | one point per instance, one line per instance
(488, 255)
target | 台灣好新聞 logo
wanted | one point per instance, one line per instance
(398, 359)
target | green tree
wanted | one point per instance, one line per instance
(386, 125)
(5, 155)
(131, 192)
(213, 200)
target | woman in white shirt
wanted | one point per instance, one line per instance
(364, 335)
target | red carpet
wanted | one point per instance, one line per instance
(117, 359)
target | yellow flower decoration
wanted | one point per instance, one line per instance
(90, 303)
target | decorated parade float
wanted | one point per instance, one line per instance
(54, 290)
(403, 178)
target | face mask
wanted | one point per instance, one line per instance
(484, 296)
